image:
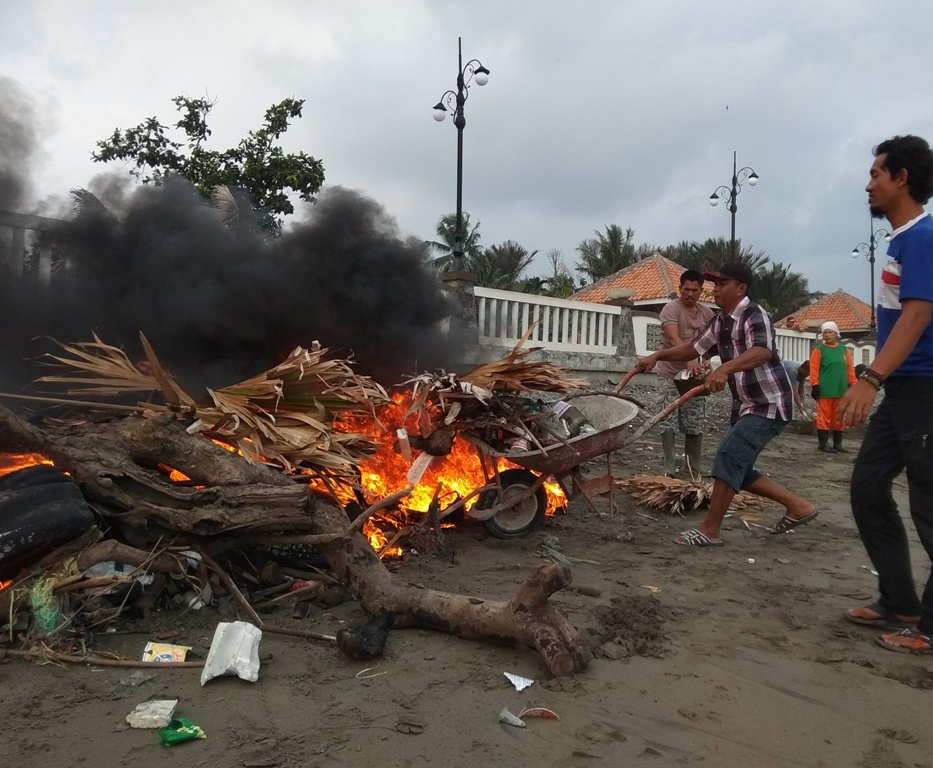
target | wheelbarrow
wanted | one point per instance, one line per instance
(514, 501)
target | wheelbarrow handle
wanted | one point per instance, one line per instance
(626, 379)
(658, 418)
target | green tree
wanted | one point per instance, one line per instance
(256, 165)
(501, 266)
(560, 283)
(712, 253)
(446, 232)
(779, 290)
(606, 253)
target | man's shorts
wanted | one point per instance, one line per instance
(688, 419)
(738, 451)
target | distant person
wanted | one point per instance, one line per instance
(831, 374)
(900, 434)
(682, 320)
(797, 374)
(743, 336)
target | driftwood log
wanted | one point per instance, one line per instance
(116, 465)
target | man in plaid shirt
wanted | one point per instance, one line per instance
(762, 402)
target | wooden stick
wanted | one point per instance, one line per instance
(46, 655)
(228, 583)
(299, 633)
(66, 401)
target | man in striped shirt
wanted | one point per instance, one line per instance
(762, 402)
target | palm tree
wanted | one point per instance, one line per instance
(779, 290)
(712, 253)
(447, 238)
(500, 266)
(607, 252)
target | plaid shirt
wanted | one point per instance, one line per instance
(762, 391)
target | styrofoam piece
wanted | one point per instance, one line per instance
(152, 714)
(234, 651)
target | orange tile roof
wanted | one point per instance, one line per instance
(653, 279)
(848, 312)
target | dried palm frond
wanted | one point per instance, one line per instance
(676, 496)
(86, 203)
(284, 415)
(223, 200)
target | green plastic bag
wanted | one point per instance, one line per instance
(179, 730)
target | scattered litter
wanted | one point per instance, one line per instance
(872, 571)
(509, 719)
(180, 730)
(549, 714)
(520, 683)
(751, 560)
(650, 588)
(783, 560)
(159, 652)
(152, 714)
(642, 514)
(361, 675)
(234, 651)
(136, 678)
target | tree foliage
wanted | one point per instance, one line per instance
(501, 266)
(446, 232)
(607, 252)
(779, 290)
(262, 170)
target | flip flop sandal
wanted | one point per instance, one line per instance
(885, 619)
(695, 538)
(789, 523)
(915, 642)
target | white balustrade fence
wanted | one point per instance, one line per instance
(504, 317)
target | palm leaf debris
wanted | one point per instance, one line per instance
(676, 496)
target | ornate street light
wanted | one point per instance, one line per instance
(724, 192)
(453, 102)
(868, 249)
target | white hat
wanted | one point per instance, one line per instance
(829, 325)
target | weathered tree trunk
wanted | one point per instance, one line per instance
(116, 464)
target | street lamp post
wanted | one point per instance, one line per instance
(738, 177)
(453, 102)
(868, 249)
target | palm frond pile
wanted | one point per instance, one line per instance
(676, 496)
(284, 415)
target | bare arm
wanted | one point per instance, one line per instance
(916, 315)
(750, 358)
(680, 353)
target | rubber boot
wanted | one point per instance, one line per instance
(667, 443)
(823, 436)
(693, 449)
(837, 442)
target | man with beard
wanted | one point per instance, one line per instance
(900, 434)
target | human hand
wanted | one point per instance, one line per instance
(646, 363)
(716, 381)
(694, 369)
(856, 404)
(815, 391)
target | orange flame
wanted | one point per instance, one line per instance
(11, 462)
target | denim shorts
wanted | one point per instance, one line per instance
(740, 446)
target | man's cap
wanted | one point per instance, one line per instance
(731, 270)
(829, 325)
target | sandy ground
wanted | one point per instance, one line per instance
(727, 657)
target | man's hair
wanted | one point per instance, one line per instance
(692, 275)
(913, 154)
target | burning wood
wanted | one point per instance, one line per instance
(291, 417)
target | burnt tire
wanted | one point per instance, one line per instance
(37, 517)
(519, 520)
(38, 474)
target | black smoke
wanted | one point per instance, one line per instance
(220, 303)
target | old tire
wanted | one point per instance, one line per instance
(37, 517)
(516, 521)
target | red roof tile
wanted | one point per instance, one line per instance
(653, 279)
(848, 312)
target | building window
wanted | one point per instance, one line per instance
(866, 355)
(653, 340)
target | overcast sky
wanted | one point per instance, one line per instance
(596, 113)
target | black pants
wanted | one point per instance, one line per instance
(899, 437)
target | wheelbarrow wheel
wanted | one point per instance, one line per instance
(516, 521)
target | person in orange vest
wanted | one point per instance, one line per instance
(831, 375)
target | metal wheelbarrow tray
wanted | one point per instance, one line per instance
(516, 501)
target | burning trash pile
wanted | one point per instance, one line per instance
(181, 523)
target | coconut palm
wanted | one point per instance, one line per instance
(500, 266)
(446, 241)
(712, 253)
(606, 253)
(780, 291)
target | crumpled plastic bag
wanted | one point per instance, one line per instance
(179, 730)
